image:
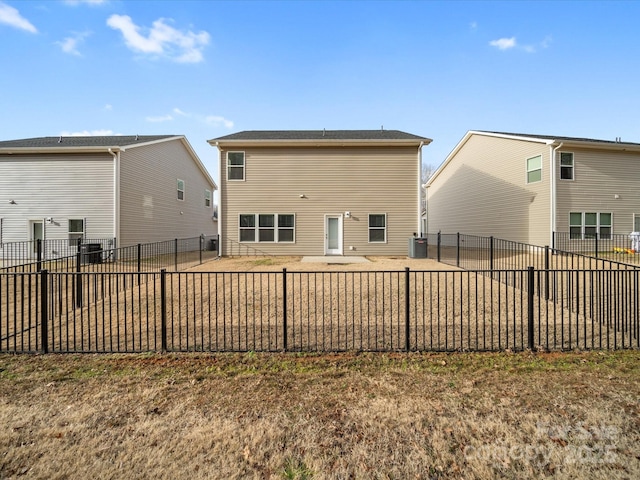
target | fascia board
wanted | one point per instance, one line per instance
(318, 143)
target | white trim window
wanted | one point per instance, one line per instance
(534, 169)
(590, 225)
(207, 198)
(636, 222)
(377, 228)
(566, 166)
(267, 227)
(180, 188)
(75, 230)
(235, 166)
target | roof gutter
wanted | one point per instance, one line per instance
(116, 195)
(221, 243)
(554, 193)
(419, 229)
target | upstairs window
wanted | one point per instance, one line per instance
(207, 198)
(377, 228)
(566, 166)
(180, 189)
(534, 169)
(235, 165)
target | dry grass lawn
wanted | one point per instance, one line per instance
(287, 416)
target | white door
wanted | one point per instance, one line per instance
(333, 235)
(37, 233)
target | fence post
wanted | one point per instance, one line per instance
(139, 254)
(44, 310)
(407, 310)
(546, 274)
(491, 252)
(458, 249)
(530, 292)
(78, 275)
(201, 247)
(284, 308)
(163, 310)
(175, 248)
(439, 243)
(39, 254)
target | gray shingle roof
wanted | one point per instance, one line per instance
(555, 137)
(321, 135)
(79, 142)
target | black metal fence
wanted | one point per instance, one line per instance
(98, 256)
(617, 247)
(489, 253)
(406, 310)
(17, 254)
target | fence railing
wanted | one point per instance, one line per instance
(15, 254)
(176, 254)
(406, 310)
(619, 247)
(489, 253)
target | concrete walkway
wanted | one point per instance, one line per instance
(335, 259)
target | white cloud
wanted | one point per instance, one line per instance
(161, 118)
(162, 39)
(70, 44)
(473, 26)
(87, 133)
(10, 16)
(217, 121)
(508, 43)
(504, 43)
(108, 107)
(177, 111)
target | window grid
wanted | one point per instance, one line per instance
(267, 228)
(180, 188)
(377, 228)
(566, 166)
(534, 169)
(235, 166)
(75, 230)
(207, 198)
(590, 225)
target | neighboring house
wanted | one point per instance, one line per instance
(136, 189)
(333, 192)
(525, 187)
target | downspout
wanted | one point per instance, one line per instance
(419, 229)
(220, 187)
(116, 196)
(552, 163)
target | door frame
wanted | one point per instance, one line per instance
(32, 237)
(333, 251)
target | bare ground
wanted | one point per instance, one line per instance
(263, 416)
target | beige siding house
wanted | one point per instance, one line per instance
(135, 189)
(340, 192)
(526, 187)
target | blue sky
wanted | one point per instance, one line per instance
(209, 68)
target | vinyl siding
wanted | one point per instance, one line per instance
(599, 176)
(361, 181)
(59, 186)
(149, 208)
(483, 191)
